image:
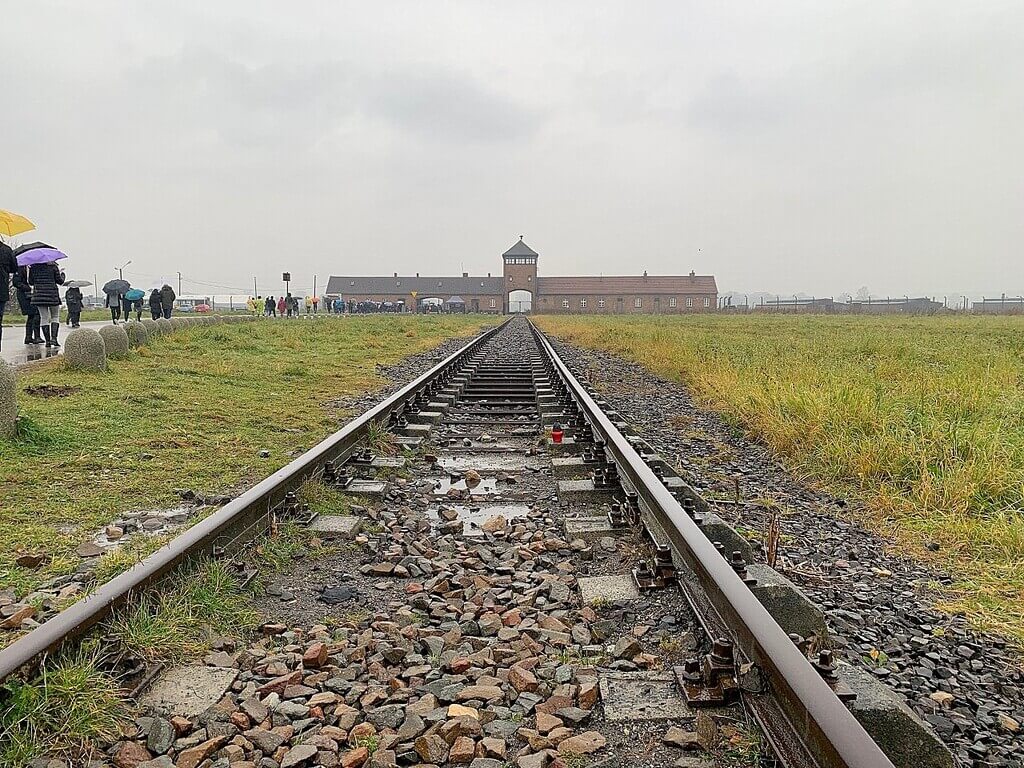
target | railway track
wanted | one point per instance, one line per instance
(504, 537)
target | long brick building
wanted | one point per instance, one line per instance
(520, 289)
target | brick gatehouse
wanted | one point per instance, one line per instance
(520, 289)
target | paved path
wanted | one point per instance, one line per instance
(15, 352)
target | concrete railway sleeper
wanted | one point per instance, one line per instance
(510, 587)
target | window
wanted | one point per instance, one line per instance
(353, 282)
(638, 302)
(600, 303)
(529, 278)
(438, 283)
(583, 303)
(565, 303)
(672, 302)
(494, 303)
(398, 283)
(707, 301)
(510, 278)
(689, 301)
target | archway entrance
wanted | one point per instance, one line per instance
(520, 302)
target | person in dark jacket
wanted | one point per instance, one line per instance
(126, 307)
(31, 313)
(44, 279)
(270, 307)
(8, 267)
(113, 302)
(155, 304)
(73, 298)
(167, 297)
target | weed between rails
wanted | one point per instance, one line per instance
(921, 419)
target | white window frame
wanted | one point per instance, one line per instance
(707, 301)
(565, 303)
(672, 302)
(689, 302)
(583, 303)
(638, 303)
(494, 303)
(600, 303)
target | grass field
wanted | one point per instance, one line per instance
(922, 420)
(190, 410)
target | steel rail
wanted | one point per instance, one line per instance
(242, 514)
(815, 719)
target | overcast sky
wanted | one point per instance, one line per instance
(788, 146)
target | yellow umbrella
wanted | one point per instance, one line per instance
(12, 224)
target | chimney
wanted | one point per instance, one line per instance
(488, 274)
(396, 274)
(465, 274)
(645, 274)
(417, 274)
(692, 273)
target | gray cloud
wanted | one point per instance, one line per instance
(803, 146)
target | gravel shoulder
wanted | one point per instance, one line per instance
(880, 605)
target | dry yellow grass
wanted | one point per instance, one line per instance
(922, 420)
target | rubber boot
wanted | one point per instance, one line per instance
(35, 330)
(54, 332)
(46, 335)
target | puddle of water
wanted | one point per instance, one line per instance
(473, 517)
(485, 487)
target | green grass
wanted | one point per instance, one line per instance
(71, 704)
(921, 420)
(202, 403)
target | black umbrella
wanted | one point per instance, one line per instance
(117, 286)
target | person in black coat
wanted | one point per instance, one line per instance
(44, 279)
(73, 298)
(126, 307)
(8, 267)
(167, 298)
(31, 313)
(155, 304)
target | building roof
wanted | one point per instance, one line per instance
(627, 284)
(520, 249)
(440, 287)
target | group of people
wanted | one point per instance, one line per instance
(36, 287)
(161, 304)
(285, 306)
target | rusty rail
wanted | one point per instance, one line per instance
(802, 718)
(240, 517)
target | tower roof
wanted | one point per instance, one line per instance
(520, 249)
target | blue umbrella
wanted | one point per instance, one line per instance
(135, 294)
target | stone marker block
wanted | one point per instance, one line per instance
(416, 430)
(716, 529)
(188, 690)
(791, 608)
(367, 488)
(903, 736)
(584, 492)
(571, 467)
(607, 589)
(568, 447)
(589, 528)
(426, 417)
(336, 525)
(388, 462)
(632, 696)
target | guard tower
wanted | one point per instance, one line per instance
(520, 276)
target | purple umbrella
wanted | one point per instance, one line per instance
(37, 253)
